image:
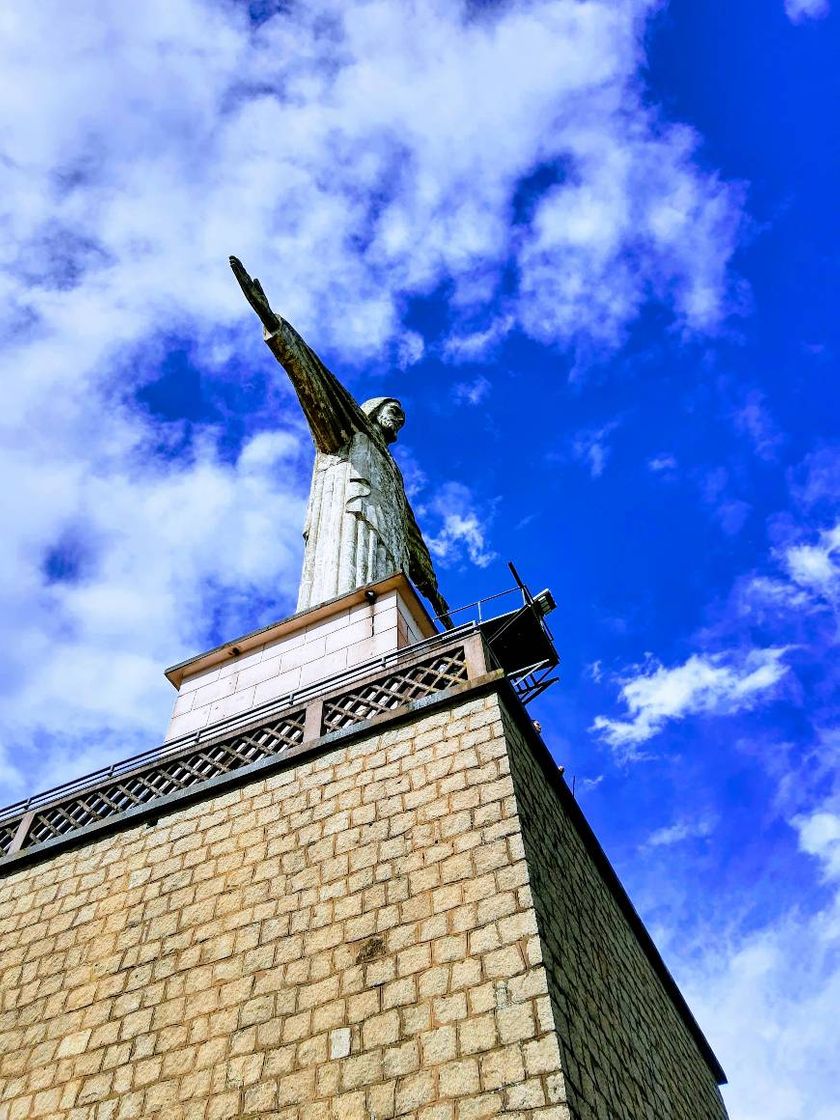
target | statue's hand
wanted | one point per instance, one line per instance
(255, 296)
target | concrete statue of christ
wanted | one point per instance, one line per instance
(360, 527)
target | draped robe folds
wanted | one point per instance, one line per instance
(360, 527)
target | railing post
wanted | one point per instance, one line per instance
(20, 835)
(475, 655)
(314, 720)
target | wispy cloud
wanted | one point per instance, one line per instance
(680, 831)
(767, 991)
(463, 532)
(816, 567)
(768, 1001)
(663, 463)
(158, 555)
(819, 836)
(729, 511)
(799, 10)
(471, 392)
(469, 346)
(592, 447)
(806, 580)
(753, 419)
(704, 684)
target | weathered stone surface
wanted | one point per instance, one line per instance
(625, 1049)
(360, 934)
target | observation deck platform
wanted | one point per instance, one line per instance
(276, 694)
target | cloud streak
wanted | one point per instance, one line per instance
(704, 684)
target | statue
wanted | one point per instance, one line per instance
(360, 527)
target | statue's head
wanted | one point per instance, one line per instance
(387, 413)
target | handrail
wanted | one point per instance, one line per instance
(174, 747)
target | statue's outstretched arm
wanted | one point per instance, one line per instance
(329, 408)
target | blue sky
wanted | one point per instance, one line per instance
(593, 247)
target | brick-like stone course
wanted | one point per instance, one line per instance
(354, 936)
(351, 937)
(626, 1052)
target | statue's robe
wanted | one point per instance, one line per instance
(360, 527)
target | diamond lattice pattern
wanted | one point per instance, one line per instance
(169, 776)
(387, 693)
(7, 834)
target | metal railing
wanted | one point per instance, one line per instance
(376, 687)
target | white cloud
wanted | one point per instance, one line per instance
(705, 684)
(768, 1001)
(799, 10)
(591, 447)
(470, 346)
(586, 785)
(463, 530)
(805, 585)
(115, 575)
(808, 583)
(662, 464)
(765, 987)
(679, 831)
(816, 567)
(471, 392)
(753, 419)
(819, 836)
(307, 146)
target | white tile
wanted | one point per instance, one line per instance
(323, 667)
(339, 1042)
(349, 636)
(183, 704)
(259, 672)
(189, 684)
(232, 705)
(410, 625)
(385, 641)
(363, 610)
(287, 641)
(188, 722)
(385, 620)
(215, 691)
(243, 661)
(277, 686)
(370, 647)
(327, 625)
(310, 651)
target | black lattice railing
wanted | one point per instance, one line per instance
(170, 770)
(189, 769)
(8, 831)
(393, 691)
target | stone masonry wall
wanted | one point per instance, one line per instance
(351, 937)
(625, 1052)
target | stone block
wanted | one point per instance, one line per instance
(280, 685)
(188, 723)
(233, 705)
(459, 1079)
